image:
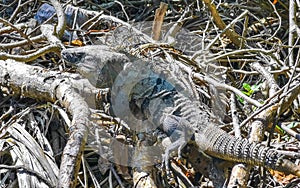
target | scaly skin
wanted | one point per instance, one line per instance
(227, 147)
(217, 143)
(186, 116)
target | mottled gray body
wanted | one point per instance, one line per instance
(182, 117)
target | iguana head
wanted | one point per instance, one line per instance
(98, 63)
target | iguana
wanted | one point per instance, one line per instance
(179, 113)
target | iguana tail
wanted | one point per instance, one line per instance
(227, 147)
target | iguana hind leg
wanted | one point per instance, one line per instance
(178, 144)
(175, 128)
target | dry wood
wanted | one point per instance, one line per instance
(158, 20)
(256, 28)
(51, 86)
(234, 37)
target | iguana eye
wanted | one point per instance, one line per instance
(74, 58)
(80, 56)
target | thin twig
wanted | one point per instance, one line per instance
(32, 56)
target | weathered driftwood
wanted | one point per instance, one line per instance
(44, 85)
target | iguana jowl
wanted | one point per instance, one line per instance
(184, 116)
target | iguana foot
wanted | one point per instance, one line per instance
(178, 144)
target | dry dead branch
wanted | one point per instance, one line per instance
(52, 136)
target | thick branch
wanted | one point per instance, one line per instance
(35, 82)
(234, 37)
(61, 26)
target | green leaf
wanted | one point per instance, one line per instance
(247, 87)
(279, 129)
(248, 93)
(240, 99)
